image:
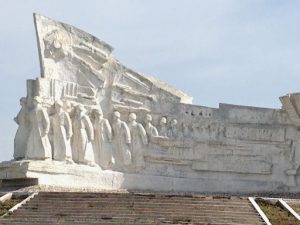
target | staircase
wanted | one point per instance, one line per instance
(72, 208)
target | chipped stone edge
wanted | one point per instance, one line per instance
(290, 209)
(20, 204)
(260, 212)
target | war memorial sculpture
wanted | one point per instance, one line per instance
(89, 121)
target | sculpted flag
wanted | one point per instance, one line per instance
(67, 53)
(91, 72)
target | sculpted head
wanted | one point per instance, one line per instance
(67, 106)
(58, 105)
(163, 121)
(132, 117)
(80, 109)
(116, 115)
(148, 118)
(98, 113)
(23, 101)
(174, 122)
(36, 101)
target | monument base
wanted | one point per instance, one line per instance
(60, 174)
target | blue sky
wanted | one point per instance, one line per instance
(244, 52)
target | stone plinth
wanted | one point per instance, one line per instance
(61, 174)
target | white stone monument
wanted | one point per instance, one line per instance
(90, 121)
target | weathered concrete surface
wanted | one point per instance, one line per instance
(89, 120)
(59, 174)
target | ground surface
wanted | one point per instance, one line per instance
(8, 204)
(295, 206)
(276, 214)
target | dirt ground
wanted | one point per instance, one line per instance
(5, 206)
(295, 206)
(276, 214)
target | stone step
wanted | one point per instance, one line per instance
(125, 215)
(142, 197)
(125, 196)
(124, 193)
(97, 216)
(133, 204)
(63, 214)
(129, 195)
(183, 209)
(133, 195)
(161, 220)
(123, 223)
(143, 200)
(149, 210)
(245, 202)
(127, 208)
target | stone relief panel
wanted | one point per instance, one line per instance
(89, 109)
(256, 134)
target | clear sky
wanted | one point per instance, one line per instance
(244, 52)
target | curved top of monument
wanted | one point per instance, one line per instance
(70, 54)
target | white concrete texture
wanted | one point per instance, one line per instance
(87, 110)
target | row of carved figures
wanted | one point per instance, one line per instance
(78, 137)
(73, 135)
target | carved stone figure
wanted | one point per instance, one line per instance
(173, 131)
(21, 137)
(83, 135)
(163, 129)
(138, 140)
(38, 145)
(294, 157)
(185, 130)
(122, 140)
(221, 131)
(62, 133)
(150, 129)
(102, 141)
